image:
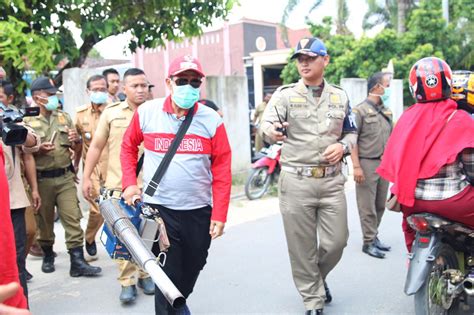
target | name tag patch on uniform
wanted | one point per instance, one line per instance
(297, 99)
(298, 106)
(34, 123)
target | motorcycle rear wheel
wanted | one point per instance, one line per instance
(428, 299)
(257, 183)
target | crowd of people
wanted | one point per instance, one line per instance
(313, 120)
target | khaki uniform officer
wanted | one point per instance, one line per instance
(87, 120)
(374, 125)
(312, 200)
(113, 123)
(56, 179)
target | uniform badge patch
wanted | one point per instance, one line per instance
(335, 98)
(61, 119)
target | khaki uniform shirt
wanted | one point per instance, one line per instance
(87, 120)
(373, 128)
(60, 122)
(314, 123)
(259, 112)
(113, 123)
(18, 196)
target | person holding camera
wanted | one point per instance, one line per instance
(312, 118)
(13, 155)
(56, 179)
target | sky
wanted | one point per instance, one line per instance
(265, 10)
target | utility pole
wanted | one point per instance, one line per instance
(446, 11)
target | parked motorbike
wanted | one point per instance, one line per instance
(265, 170)
(441, 270)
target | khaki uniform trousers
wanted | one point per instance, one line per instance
(314, 212)
(95, 218)
(61, 192)
(129, 273)
(371, 198)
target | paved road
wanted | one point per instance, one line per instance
(248, 273)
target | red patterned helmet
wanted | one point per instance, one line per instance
(430, 80)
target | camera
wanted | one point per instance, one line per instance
(12, 132)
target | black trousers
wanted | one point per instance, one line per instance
(19, 228)
(188, 232)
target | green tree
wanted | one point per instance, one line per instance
(389, 13)
(21, 50)
(427, 35)
(341, 17)
(151, 24)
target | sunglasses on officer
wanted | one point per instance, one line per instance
(195, 83)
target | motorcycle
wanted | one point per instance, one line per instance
(265, 170)
(441, 266)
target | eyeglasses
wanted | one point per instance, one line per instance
(195, 83)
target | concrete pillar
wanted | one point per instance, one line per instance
(230, 94)
(356, 89)
(396, 99)
(74, 88)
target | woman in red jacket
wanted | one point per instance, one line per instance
(429, 157)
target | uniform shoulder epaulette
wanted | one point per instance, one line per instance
(283, 87)
(337, 87)
(81, 108)
(113, 104)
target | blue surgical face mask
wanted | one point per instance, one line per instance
(53, 103)
(185, 96)
(98, 97)
(386, 95)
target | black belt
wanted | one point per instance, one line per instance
(370, 158)
(56, 172)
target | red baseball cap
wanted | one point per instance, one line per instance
(185, 63)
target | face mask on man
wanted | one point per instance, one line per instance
(98, 97)
(53, 103)
(185, 96)
(385, 97)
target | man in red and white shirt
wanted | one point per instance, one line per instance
(193, 195)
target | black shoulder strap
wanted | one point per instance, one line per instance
(378, 110)
(155, 181)
(139, 164)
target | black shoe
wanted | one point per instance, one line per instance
(91, 249)
(328, 293)
(373, 251)
(48, 259)
(128, 294)
(319, 311)
(79, 267)
(147, 285)
(381, 245)
(29, 276)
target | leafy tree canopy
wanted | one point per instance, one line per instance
(427, 35)
(42, 28)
